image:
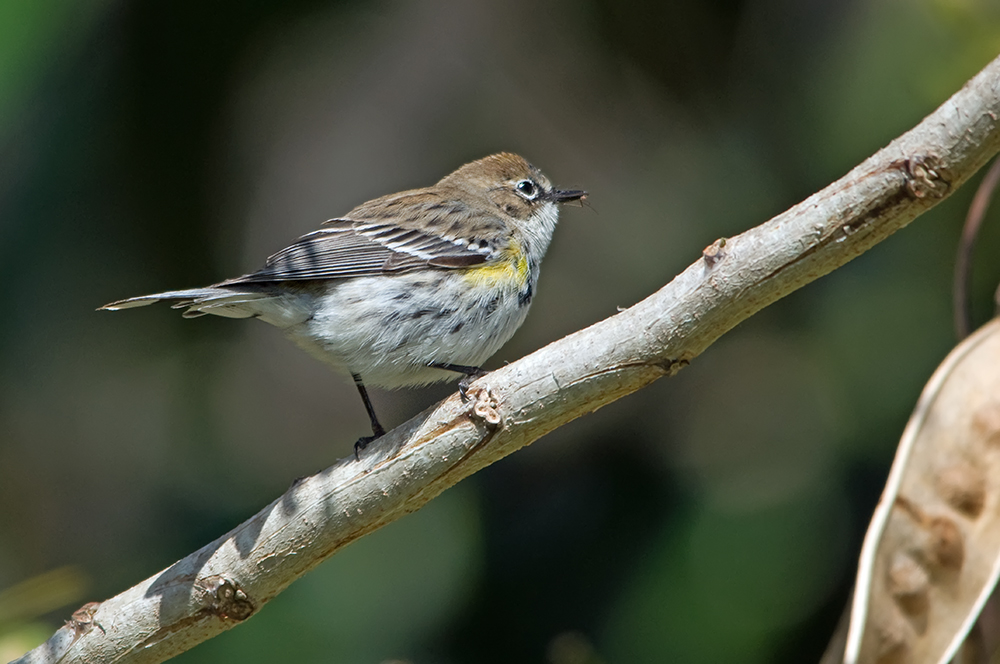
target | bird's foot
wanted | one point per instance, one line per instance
(466, 382)
(364, 440)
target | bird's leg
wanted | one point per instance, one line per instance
(471, 374)
(377, 429)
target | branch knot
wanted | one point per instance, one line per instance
(225, 598)
(487, 408)
(923, 177)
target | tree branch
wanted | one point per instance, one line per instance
(228, 580)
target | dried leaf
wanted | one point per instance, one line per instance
(932, 553)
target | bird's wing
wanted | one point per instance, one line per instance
(351, 248)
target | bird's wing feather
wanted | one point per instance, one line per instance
(349, 248)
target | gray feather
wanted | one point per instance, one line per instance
(347, 248)
(385, 236)
(198, 302)
(143, 300)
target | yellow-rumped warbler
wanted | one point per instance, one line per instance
(407, 289)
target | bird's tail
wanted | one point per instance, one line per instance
(198, 302)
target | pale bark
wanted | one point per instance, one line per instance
(228, 580)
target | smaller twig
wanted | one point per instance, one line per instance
(963, 262)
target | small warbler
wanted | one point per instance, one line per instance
(407, 289)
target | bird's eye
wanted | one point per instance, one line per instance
(527, 188)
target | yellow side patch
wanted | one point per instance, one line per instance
(512, 270)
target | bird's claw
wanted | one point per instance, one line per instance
(364, 440)
(466, 382)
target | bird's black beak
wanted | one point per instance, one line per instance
(562, 196)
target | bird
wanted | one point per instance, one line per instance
(404, 290)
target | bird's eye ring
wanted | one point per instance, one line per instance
(527, 188)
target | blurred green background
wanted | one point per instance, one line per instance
(713, 517)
